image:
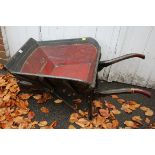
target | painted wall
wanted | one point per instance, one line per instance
(114, 41)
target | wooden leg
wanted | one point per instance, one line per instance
(90, 114)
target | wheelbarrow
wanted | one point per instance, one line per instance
(60, 65)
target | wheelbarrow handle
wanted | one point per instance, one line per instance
(106, 63)
(123, 91)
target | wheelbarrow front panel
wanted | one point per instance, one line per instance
(74, 59)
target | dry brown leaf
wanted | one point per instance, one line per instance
(14, 88)
(18, 119)
(109, 105)
(133, 105)
(82, 113)
(42, 98)
(47, 96)
(115, 123)
(121, 101)
(22, 104)
(149, 112)
(97, 104)
(44, 110)
(6, 98)
(147, 120)
(126, 108)
(2, 82)
(104, 112)
(31, 115)
(130, 124)
(74, 117)
(2, 118)
(58, 101)
(114, 96)
(37, 97)
(82, 123)
(53, 124)
(25, 96)
(112, 116)
(98, 121)
(137, 119)
(116, 112)
(1, 66)
(42, 123)
(109, 125)
(71, 127)
(143, 108)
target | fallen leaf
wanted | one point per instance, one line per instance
(126, 108)
(147, 120)
(14, 88)
(137, 119)
(143, 108)
(25, 96)
(98, 121)
(51, 126)
(104, 112)
(82, 113)
(133, 105)
(1, 66)
(31, 115)
(109, 125)
(149, 112)
(130, 124)
(42, 123)
(115, 123)
(97, 104)
(37, 97)
(74, 117)
(114, 96)
(71, 127)
(109, 105)
(121, 101)
(47, 95)
(82, 123)
(22, 104)
(116, 112)
(44, 110)
(6, 98)
(58, 101)
(18, 119)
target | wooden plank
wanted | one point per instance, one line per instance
(51, 32)
(143, 70)
(150, 50)
(131, 40)
(18, 35)
(107, 37)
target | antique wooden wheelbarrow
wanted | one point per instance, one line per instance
(71, 64)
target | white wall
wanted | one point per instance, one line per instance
(114, 41)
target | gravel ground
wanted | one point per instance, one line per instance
(61, 113)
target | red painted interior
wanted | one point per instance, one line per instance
(75, 61)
